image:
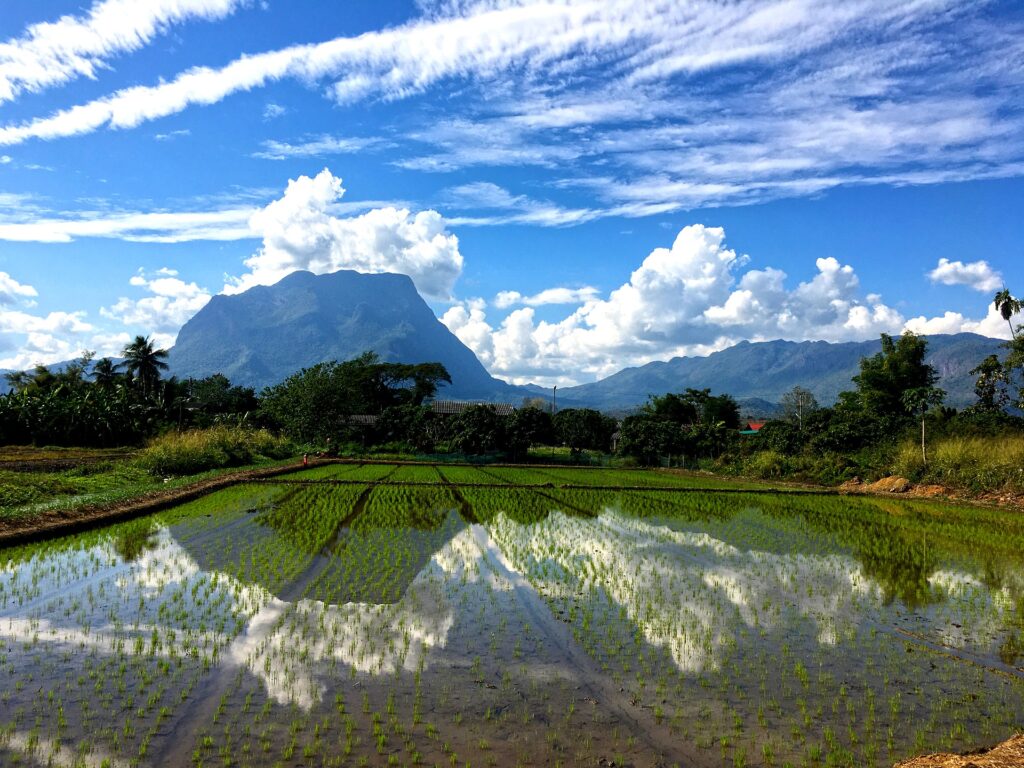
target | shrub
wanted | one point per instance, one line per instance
(768, 464)
(197, 450)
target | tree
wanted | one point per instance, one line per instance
(647, 438)
(884, 377)
(695, 406)
(919, 400)
(990, 386)
(477, 430)
(797, 404)
(1008, 306)
(582, 428)
(105, 373)
(525, 427)
(144, 363)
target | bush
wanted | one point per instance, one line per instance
(197, 450)
(768, 464)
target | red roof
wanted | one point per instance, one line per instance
(755, 425)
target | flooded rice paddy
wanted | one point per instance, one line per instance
(382, 615)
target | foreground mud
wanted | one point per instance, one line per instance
(1009, 753)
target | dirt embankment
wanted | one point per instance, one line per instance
(896, 485)
(1006, 755)
(62, 521)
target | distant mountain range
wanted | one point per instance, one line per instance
(764, 371)
(262, 336)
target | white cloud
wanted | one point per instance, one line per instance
(992, 324)
(506, 299)
(317, 147)
(27, 339)
(171, 302)
(161, 227)
(12, 291)
(300, 233)
(272, 111)
(5, 159)
(482, 39)
(686, 299)
(171, 135)
(974, 274)
(53, 53)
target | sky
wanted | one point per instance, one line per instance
(574, 186)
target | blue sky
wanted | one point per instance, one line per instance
(574, 186)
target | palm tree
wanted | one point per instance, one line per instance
(17, 380)
(144, 363)
(1008, 307)
(104, 373)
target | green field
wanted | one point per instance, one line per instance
(418, 615)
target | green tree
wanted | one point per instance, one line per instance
(144, 363)
(990, 385)
(525, 427)
(477, 430)
(647, 438)
(918, 401)
(884, 377)
(584, 428)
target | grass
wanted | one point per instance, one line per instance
(198, 450)
(969, 463)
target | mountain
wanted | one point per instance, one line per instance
(262, 336)
(766, 370)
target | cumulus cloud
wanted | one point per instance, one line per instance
(691, 298)
(974, 274)
(992, 324)
(53, 53)
(169, 304)
(27, 339)
(506, 299)
(300, 233)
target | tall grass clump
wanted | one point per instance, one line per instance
(974, 463)
(197, 450)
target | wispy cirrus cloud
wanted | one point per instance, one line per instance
(54, 52)
(319, 146)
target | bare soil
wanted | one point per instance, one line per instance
(1009, 753)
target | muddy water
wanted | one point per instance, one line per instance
(633, 630)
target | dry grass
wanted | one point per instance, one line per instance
(973, 463)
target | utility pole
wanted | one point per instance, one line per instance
(554, 399)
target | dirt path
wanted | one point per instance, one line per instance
(59, 522)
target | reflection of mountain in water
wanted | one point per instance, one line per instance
(691, 592)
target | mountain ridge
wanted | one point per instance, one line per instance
(263, 335)
(766, 370)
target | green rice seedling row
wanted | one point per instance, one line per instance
(444, 623)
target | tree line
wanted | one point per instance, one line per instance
(103, 403)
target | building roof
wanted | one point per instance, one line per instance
(455, 407)
(363, 419)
